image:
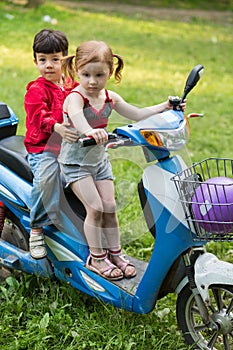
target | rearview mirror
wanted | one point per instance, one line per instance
(194, 76)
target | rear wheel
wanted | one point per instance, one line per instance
(220, 311)
(13, 233)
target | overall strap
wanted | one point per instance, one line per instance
(108, 99)
(85, 100)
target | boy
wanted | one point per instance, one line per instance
(43, 105)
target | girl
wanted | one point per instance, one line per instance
(88, 170)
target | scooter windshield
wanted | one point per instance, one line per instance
(168, 120)
(168, 131)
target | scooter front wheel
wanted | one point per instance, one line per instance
(220, 311)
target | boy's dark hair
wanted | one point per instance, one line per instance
(50, 41)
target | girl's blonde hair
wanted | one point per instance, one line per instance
(92, 51)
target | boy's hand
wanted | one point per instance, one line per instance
(65, 132)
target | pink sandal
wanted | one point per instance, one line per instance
(123, 264)
(106, 271)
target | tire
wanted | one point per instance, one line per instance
(14, 233)
(220, 310)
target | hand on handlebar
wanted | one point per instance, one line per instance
(114, 141)
(176, 103)
(183, 105)
(99, 135)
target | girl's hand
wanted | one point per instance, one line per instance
(65, 132)
(181, 106)
(100, 135)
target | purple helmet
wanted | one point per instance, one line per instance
(212, 205)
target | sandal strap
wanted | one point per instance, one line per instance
(104, 271)
(109, 265)
(115, 252)
(98, 256)
(123, 264)
(107, 270)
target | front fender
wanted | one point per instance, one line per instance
(210, 270)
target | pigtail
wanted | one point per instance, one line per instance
(68, 67)
(119, 67)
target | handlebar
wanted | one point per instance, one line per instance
(90, 141)
(114, 141)
(175, 101)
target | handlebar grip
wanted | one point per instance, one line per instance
(87, 141)
(90, 141)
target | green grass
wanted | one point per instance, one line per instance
(158, 56)
(39, 314)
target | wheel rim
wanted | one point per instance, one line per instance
(221, 313)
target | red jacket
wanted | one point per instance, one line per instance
(43, 105)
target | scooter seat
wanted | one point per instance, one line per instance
(13, 155)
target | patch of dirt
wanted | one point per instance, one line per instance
(221, 17)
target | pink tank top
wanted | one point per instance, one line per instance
(97, 119)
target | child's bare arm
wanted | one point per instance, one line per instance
(65, 132)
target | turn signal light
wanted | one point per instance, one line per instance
(152, 137)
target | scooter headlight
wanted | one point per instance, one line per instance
(173, 139)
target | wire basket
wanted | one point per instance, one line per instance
(208, 200)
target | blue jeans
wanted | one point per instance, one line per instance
(46, 190)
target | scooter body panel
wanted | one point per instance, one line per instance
(172, 233)
(14, 189)
(15, 258)
(81, 278)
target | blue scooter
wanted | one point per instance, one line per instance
(179, 262)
